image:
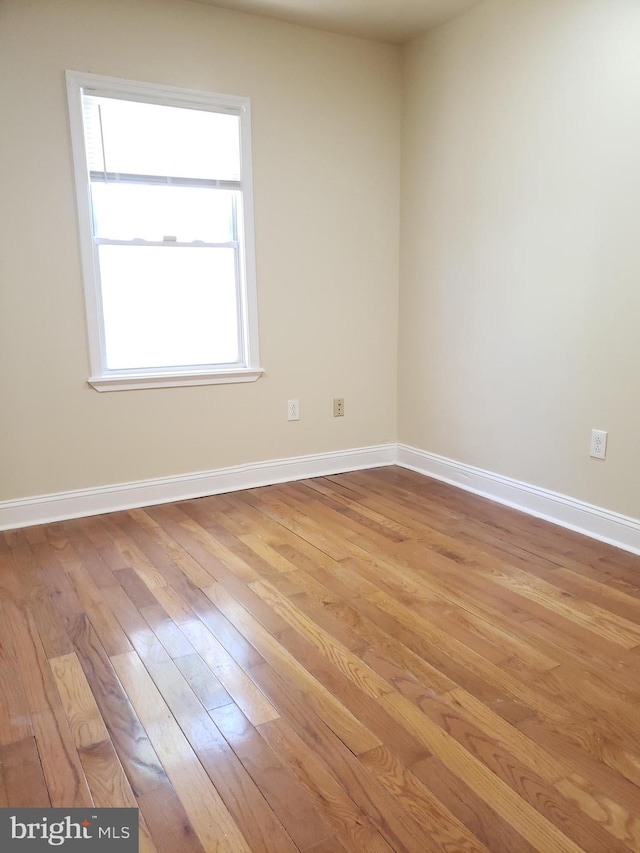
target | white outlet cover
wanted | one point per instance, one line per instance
(293, 410)
(599, 443)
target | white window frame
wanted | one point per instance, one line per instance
(102, 378)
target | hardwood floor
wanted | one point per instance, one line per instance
(367, 662)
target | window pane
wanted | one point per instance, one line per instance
(137, 211)
(168, 306)
(152, 139)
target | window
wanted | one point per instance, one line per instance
(163, 179)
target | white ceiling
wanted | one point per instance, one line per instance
(385, 20)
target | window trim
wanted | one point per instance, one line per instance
(101, 378)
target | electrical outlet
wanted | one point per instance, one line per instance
(293, 410)
(599, 443)
(338, 407)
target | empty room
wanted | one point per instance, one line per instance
(319, 424)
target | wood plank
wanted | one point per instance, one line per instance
(137, 631)
(4, 797)
(232, 677)
(595, 618)
(210, 552)
(132, 556)
(166, 630)
(329, 845)
(11, 589)
(341, 658)
(38, 600)
(74, 551)
(56, 580)
(244, 800)
(105, 776)
(83, 716)
(494, 676)
(140, 762)
(520, 774)
(376, 528)
(100, 538)
(274, 558)
(209, 816)
(66, 782)
(523, 748)
(203, 682)
(399, 829)
(49, 624)
(31, 662)
(439, 823)
(15, 723)
(342, 498)
(169, 824)
(175, 553)
(102, 619)
(382, 646)
(63, 772)
(305, 528)
(222, 629)
(470, 809)
(567, 747)
(22, 775)
(364, 708)
(523, 817)
(353, 827)
(340, 720)
(136, 589)
(369, 661)
(289, 800)
(196, 541)
(617, 819)
(268, 618)
(467, 672)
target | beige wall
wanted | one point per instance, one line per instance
(326, 143)
(520, 255)
(520, 258)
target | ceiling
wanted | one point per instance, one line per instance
(384, 20)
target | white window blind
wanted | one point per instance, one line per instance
(132, 138)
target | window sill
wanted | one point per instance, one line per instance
(140, 381)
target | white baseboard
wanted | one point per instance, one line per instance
(58, 507)
(595, 522)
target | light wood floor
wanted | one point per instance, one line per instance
(367, 662)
